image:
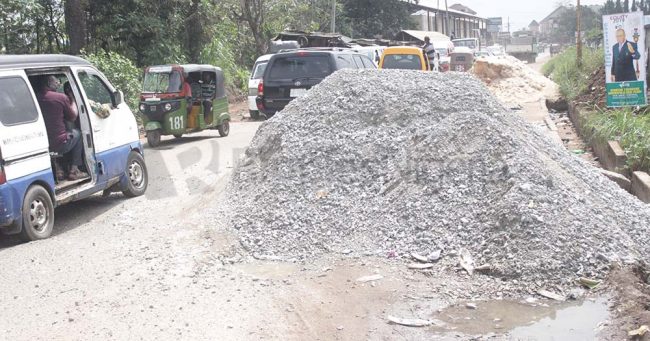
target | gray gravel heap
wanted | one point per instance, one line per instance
(392, 162)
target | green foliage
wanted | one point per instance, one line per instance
(122, 73)
(567, 23)
(632, 130)
(571, 79)
(221, 52)
(369, 18)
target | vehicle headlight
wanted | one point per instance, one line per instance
(168, 107)
(142, 107)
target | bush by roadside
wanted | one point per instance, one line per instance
(571, 79)
(121, 72)
(631, 129)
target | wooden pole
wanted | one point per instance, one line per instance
(578, 36)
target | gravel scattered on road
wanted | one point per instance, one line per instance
(392, 162)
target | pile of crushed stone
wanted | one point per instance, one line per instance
(390, 162)
(513, 81)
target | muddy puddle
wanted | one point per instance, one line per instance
(520, 320)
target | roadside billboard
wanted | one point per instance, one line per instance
(494, 24)
(625, 68)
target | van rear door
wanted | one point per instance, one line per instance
(23, 139)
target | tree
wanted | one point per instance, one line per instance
(370, 18)
(634, 8)
(626, 6)
(75, 25)
(565, 31)
(619, 6)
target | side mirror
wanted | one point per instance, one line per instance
(117, 97)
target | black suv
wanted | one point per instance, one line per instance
(289, 75)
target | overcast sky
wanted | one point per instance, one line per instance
(521, 12)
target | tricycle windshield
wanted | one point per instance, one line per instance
(162, 81)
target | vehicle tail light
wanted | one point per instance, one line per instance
(260, 88)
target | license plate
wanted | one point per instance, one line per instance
(297, 92)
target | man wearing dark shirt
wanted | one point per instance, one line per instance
(57, 108)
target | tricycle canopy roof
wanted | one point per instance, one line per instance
(187, 68)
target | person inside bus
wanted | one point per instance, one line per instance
(57, 108)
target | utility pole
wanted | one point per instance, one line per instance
(578, 36)
(333, 16)
(447, 18)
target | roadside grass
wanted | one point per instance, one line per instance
(564, 71)
(630, 128)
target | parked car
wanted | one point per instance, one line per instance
(256, 77)
(373, 52)
(103, 138)
(483, 53)
(404, 57)
(291, 74)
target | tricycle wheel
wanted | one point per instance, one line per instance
(153, 138)
(255, 115)
(137, 176)
(38, 214)
(178, 136)
(224, 128)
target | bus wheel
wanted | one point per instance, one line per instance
(153, 138)
(137, 176)
(224, 128)
(38, 214)
(178, 136)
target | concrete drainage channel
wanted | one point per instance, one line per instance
(613, 159)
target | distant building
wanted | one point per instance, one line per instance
(462, 8)
(458, 21)
(534, 27)
(549, 23)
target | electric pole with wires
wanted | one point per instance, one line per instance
(578, 36)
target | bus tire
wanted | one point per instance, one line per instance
(137, 176)
(38, 214)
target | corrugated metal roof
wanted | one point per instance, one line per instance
(434, 36)
(433, 5)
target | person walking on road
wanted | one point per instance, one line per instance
(429, 51)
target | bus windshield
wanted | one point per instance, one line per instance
(162, 81)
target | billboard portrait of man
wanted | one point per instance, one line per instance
(625, 59)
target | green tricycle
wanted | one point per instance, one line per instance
(181, 99)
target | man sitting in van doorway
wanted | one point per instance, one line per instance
(57, 108)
